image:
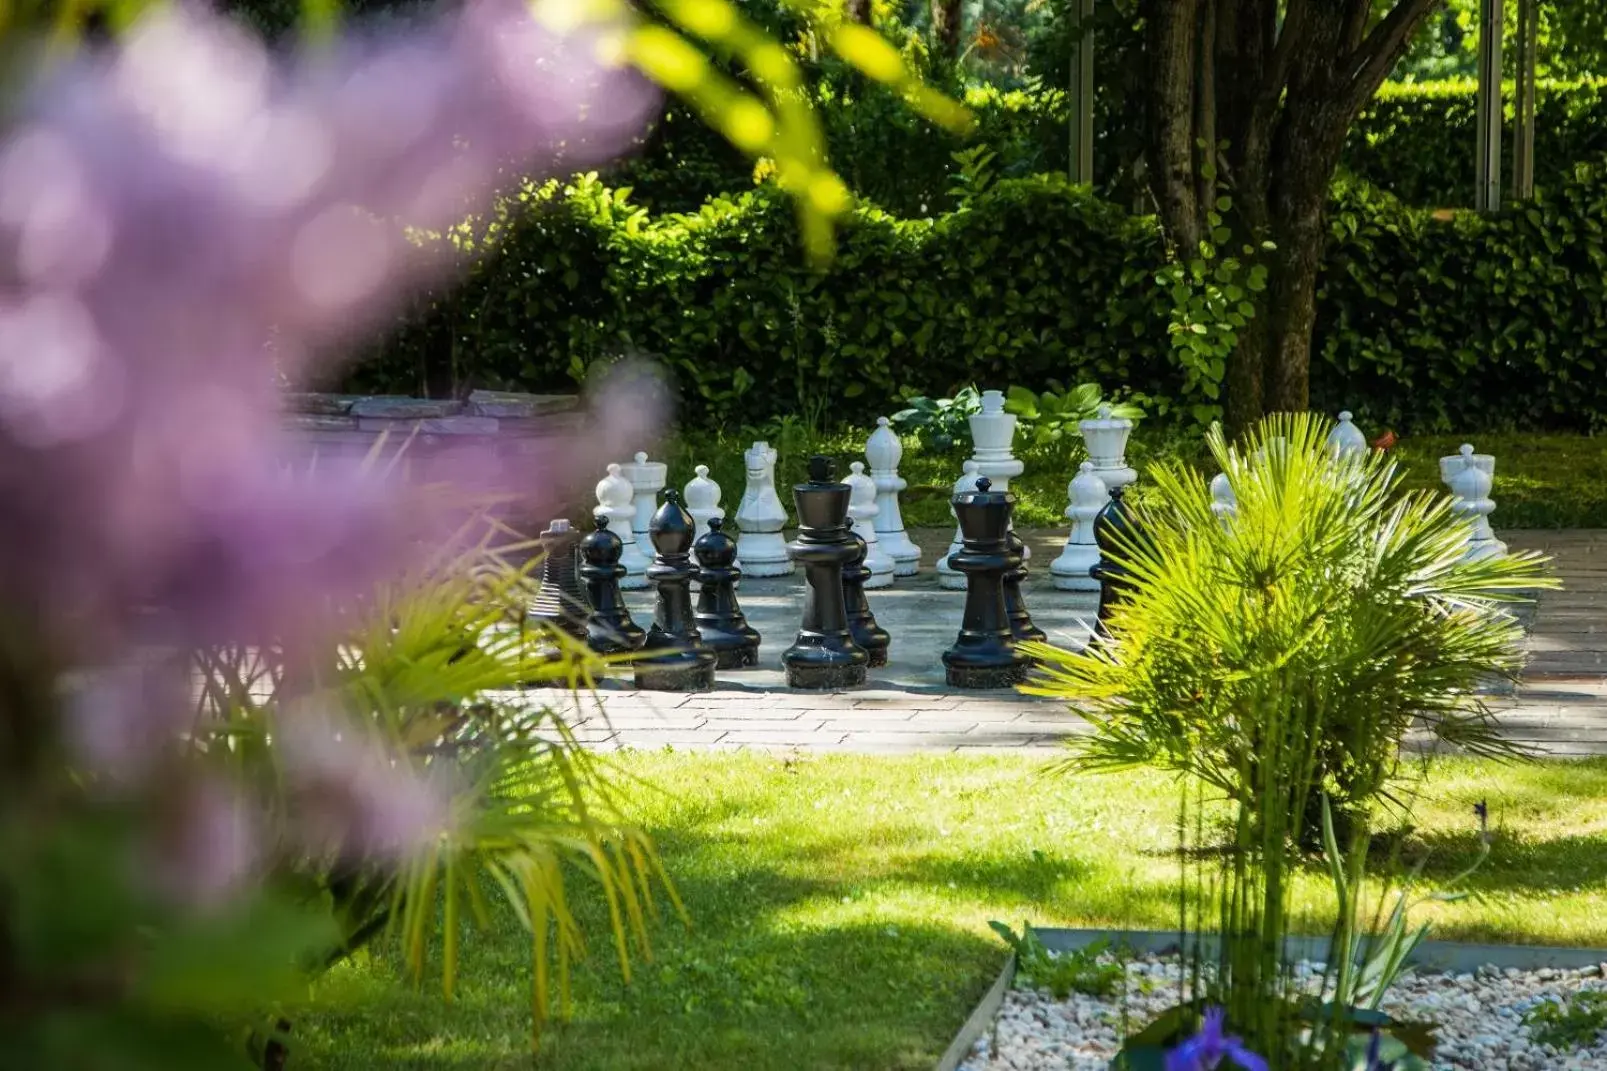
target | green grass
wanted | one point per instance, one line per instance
(839, 908)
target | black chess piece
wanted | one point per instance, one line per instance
(1115, 528)
(609, 630)
(1015, 607)
(560, 602)
(673, 658)
(984, 654)
(720, 621)
(861, 622)
(824, 656)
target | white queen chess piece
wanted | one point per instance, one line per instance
(1105, 439)
(862, 508)
(949, 578)
(614, 494)
(993, 433)
(702, 498)
(761, 550)
(1470, 477)
(884, 450)
(1087, 494)
(647, 480)
(1346, 438)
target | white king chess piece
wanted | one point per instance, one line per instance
(862, 508)
(1105, 439)
(947, 577)
(1346, 438)
(761, 550)
(1470, 477)
(614, 494)
(884, 451)
(647, 480)
(993, 433)
(702, 498)
(1088, 495)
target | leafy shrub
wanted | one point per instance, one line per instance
(1576, 1023)
(1083, 970)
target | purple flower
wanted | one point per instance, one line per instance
(1206, 1050)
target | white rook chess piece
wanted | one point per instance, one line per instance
(702, 498)
(862, 508)
(1470, 477)
(761, 550)
(647, 480)
(1088, 495)
(884, 451)
(1105, 439)
(1224, 502)
(1346, 438)
(993, 433)
(949, 578)
(614, 495)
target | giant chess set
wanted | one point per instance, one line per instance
(820, 592)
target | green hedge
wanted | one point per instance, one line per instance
(1477, 322)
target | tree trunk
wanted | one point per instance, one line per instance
(946, 29)
(857, 11)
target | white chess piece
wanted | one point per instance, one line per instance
(614, 494)
(1346, 438)
(862, 508)
(884, 450)
(647, 480)
(761, 550)
(1087, 494)
(1105, 439)
(702, 498)
(993, 433)
(1224, 502)
(947, 577)
(1470, 477)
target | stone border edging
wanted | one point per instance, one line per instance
(1446, 956)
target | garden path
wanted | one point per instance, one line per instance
(1560, 706)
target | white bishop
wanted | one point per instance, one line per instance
(1088, 495)
(949, 578)
(702, 498)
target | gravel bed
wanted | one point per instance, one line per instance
(1479, 1017)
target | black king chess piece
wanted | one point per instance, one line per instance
(1115, 528)
(984, 654)
(559, 602)
(824, 656)
(609, 630)
(674, 658)
(861, 622)
(720, 620)
(1021, 626)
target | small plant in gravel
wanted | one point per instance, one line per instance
(1576, 1022)
(1083, 970)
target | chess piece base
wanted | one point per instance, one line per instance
(764, 568)
(826, 678)
(951, 581)
(736, 657)
(694, 678)
(732, 650)
(906, 566)
(986, 677)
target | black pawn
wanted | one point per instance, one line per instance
(984, 654)
(674, 658)
(610, 629)
(824, 656)
(1021, 626)
(559, 601)
(1115, 530)
(720, 620)
(861, 622)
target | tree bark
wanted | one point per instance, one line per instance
(946, 29)
(857, 11)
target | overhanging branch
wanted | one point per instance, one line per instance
(1377, 55)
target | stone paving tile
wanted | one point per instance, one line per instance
(784, 737)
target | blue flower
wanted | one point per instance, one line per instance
(1206, 1050)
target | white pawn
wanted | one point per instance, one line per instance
(1105, 439)
(993, 433)
(884, 450)
(1088, 495)
(761, 550)
(647, 480)
(1346, 438)
(949, 578)
(1470, 477)
(862, 508)
(1224, 502)
(614, 495)
(702, 498)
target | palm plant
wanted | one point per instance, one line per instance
(1279, 657)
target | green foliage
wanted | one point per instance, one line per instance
(1575, 1022)
(941, 424)
(1083, 970)
(1048, 417)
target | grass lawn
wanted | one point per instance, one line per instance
(839, 908)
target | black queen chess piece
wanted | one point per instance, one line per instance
(720, 621)
(861, 622)
(984, 654)
(1015, 607)
(1115, 529)
(609, 630)
(673, 658)
(824, 656)
(560, 603)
